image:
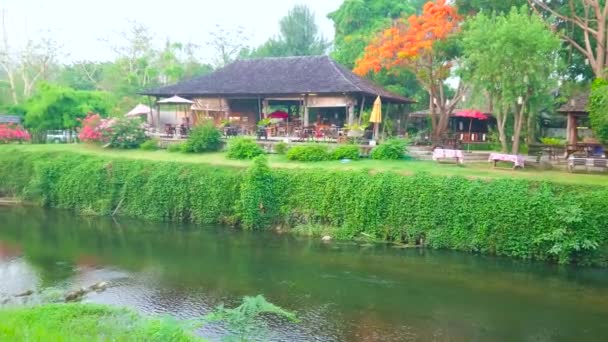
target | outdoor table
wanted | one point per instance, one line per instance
(517, 160)
(442, 153)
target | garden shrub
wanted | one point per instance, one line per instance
(204, 138)
(178, 147)
(308, 153)
(13, 133)
(346, 152)
(281, 148)
(125, 133)
(149, 145)
(551, 141)
(391, 149)
(519, 218)
(243, 148)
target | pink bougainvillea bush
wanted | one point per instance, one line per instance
(115, 132)
(13, 133)
(91, 131)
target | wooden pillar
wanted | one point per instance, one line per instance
(351, 111)
(306, 123)
(158, 127)
(265, 108)
(571, 129)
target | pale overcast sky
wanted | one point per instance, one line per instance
(79, 25)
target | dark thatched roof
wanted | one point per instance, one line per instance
(278, 76)
(576, 104)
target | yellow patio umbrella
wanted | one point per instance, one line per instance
(376, 116)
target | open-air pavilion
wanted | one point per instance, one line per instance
(314, 91)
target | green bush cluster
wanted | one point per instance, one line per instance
(392, 149)
(125, 133)
(281, 148)
(204, 138)
(511, 217)
(345, 152)
(243, 148)
(149, 145)
(308, 153)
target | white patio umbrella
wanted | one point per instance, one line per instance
(176, 100)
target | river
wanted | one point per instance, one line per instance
(341, 291)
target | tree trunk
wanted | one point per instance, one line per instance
(517, 125)
(501, 120)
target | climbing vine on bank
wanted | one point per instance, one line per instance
(511, 217)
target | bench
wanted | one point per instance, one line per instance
(598, 163)
(517, 160)
(448, 154)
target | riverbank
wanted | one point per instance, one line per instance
(82, 322)
(512, 217)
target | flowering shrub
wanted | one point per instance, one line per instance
(91, 131)
(123, 133)
(12, 133)
(116, 132)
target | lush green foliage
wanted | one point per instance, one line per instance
(308, 153)
(551, 141)
(245, 321)
(511, 58)
(598, 109)
(243, 148)
(345, 152)
(179, 147)
(281, 148)
(299, 36)
(82, 322)
(391, 149)
(56, 107)
(512, 217)
(149, 145)
(204, 138)
(258, 204)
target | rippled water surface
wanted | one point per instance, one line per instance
(341, 291)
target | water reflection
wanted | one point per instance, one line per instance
(342, 291)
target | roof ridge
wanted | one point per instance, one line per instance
(335, 66)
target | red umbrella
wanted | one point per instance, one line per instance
(278, 115)
(471, 114)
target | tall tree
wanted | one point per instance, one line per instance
(472, 7)
(356, 23)
(299, 36)
(300, 33)
(228, 44)
(23, 68)
(135, 54)
(512, 59)
(422, 44)
(575, 18)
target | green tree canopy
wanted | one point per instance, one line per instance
(59, 107)
(299, 36)
(511, 58)
(356, 23)
(598, 110)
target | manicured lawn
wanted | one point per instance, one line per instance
(479, 170)
(85, 322)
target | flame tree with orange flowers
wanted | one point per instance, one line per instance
(423, 44)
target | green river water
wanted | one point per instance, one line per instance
(341, 291)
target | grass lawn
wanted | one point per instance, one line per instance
(479, 170)
(85, 322)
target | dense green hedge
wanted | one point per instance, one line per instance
(517, 218)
